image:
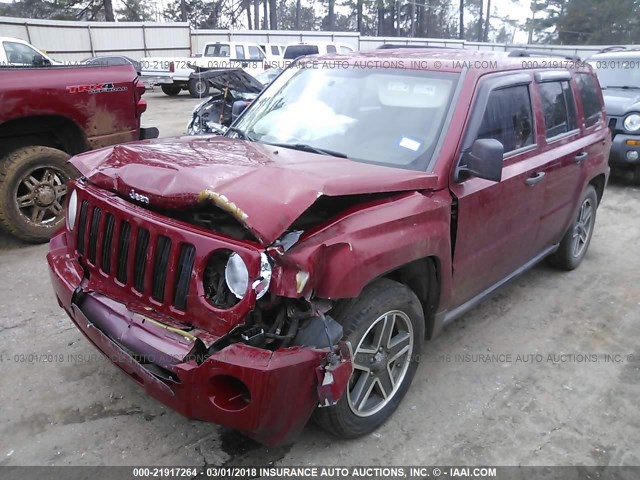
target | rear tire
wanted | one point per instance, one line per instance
(385, 326)
(198, 88)
(171, 90)
(33, 191)
(575, 243)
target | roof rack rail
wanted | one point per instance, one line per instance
(612, 48)
(387, 46)
(619, 48)
(521, 52)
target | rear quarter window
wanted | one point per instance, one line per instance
(590, 98)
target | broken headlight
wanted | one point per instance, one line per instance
(236, 275)
(72, 210)
(195, 125)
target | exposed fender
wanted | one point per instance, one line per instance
(343, 257)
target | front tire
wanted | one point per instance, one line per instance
(575, 243)
(385, 326)
(636, 175)
(33, 187)
(198, 88)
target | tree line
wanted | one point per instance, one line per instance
(549, 21)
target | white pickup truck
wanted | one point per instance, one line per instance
(175, 74)
(17, 53)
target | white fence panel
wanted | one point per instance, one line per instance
(168, 36)
(14, 30)
(71, 41)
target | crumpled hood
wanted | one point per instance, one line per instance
(619, 102)
(267, 188)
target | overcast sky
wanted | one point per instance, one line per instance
(517, 10)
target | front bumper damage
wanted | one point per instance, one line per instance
(267, 395)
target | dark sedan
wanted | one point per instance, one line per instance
(111, 60)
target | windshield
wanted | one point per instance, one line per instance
(618, 72)
(383, 116)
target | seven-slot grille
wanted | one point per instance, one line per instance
(135, 256)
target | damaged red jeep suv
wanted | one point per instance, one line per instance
(360, 203)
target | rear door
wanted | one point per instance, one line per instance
(497, 221)
(565, 151)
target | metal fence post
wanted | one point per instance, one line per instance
(144, 39)
(26, 26)
(93, 52)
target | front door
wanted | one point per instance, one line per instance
(497, 222)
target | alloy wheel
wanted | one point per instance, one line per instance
(582, 228)
(380, 362)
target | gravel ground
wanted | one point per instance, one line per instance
(494, 389)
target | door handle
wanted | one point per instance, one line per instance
(535, 179)
(582, 156)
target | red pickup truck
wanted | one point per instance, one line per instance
(48, 114)
(300, 260)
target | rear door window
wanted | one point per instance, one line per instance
(558, 108)
(590, 99)
(331, 49)
(508, 118)
(275, 50)
(255, 53)
(239, 52)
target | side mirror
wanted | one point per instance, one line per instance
(39, 60)
(484, 159)
(238, 107)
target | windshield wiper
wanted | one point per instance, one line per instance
(308, 148)
(241, 133)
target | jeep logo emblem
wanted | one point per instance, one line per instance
(140, 198)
